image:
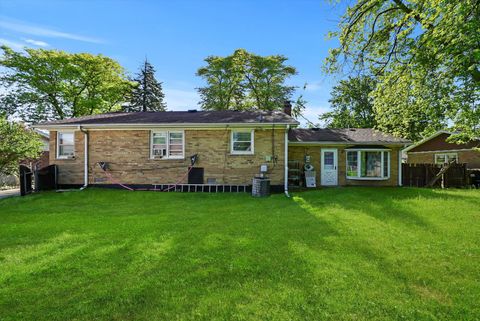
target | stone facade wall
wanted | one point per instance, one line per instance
(299, 152)
(470, 157)
(70, 171)
(127, 153)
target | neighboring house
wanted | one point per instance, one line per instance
(436, 150)
(44, 158)
(154, 148)
(360, 156)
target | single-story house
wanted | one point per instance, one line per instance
(436, 150)
(230, 147)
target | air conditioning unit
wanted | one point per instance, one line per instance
(159, 153)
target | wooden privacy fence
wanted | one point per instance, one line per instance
(421, 175)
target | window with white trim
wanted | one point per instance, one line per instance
(446, 158)
(167, 145)
(65, 144)
(242, 142)
(368, 164)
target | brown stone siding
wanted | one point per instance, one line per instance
(299, 152)
(469, 157)
(127, 153)
(70, 171)
(440, 143)
(421, 158)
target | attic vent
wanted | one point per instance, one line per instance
(352, 129)
(315, 129)
(192, 110)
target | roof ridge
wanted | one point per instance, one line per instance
(177, 118)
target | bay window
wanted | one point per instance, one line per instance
(65, 144)
(242, 142)
(167, 145)
(352, 164)
(368, 164)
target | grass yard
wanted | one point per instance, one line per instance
(333, 254)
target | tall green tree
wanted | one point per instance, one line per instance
(16, 143)
(426, 57)
(51, 84)
(147, 95)
(245, 81)
(352, 105)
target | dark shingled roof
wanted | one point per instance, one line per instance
(343, 135)
(179, 117)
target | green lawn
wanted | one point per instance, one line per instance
(333, 254)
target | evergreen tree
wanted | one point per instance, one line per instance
(147, 94)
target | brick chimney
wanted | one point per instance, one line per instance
(287, 107)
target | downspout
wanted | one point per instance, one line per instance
(286, 162)
(85, 153)
(400, 154)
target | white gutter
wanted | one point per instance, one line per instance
(441, 151)
(85, 153)
(158, 125)
(316, 143)
(286, 162)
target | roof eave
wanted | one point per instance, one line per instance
(161, 125)
(347, 143)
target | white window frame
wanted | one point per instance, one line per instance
(447, 157)
(359, 164)
(57, 145)
(252, 142)
(167, 142)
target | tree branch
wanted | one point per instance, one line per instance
(409, 11)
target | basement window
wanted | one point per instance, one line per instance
(368, 164)
(167, 145)
(65, 145)
(242, 142)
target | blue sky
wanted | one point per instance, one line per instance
(177, 35)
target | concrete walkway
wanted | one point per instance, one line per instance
(10, 193)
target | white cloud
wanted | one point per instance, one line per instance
(25, 28)
(179, 99)
(37, 43)
(12, 44)
(311, 113)
(313, 86)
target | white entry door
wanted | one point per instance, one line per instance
(329, 167)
